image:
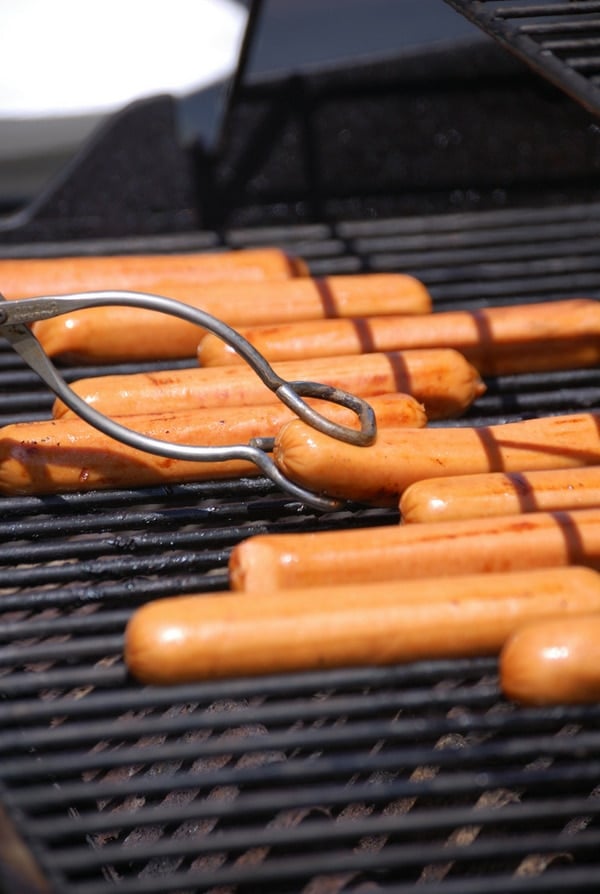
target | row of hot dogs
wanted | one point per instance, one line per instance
(456, 583)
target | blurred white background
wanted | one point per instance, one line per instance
(65, 64)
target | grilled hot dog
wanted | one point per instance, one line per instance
(67, 454)
(553, 662)
(381, 472)
(390, 552)
(441, 380)
(112, 334)
(26, 278)
(500, 493)
(188, 638)
(497, 340)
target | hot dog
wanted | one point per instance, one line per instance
(113, 334)
(383, 471)
(441, 380)
(500, 493)
(498, 340)
(401, 552)
(553, 662)
(67, 454)
(26, 278)
(188, 638)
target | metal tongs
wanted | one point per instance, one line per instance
(17, 315)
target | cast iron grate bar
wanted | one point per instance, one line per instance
(478, 696)
(348, 833)
(254, 806)
(376, 680)
(279, 870)
(224, 524)
(336, 766)
(350, 736)
(109, 595)
(292, 706)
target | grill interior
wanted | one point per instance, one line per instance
(395, 779)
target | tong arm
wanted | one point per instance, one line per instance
(16, 315)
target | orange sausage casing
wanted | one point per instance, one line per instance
(497, 340)
(115, 333)
(555, 661)
(26, 278)
(500, 493)
(68, 454)
(383, 471)
(441, 380)
(188, 638)
(401, 552)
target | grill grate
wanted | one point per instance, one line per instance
(558, 39)
(367, 780)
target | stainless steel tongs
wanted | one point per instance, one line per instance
(16, 315)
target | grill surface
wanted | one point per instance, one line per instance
(560, 40)
(374, 780)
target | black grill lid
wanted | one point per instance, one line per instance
(558, 39)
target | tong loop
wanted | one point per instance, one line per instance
(15, 317)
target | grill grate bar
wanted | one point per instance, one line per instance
(352, 734)
(571, 44)
(221, 494)
(281, 869)
(65, 736)
(291, 709)
(113, 568)
(77, 624)
(517, 219)
(72, 679)
(109, 594)
(552, 8)
(134, 540)
(68, 650)
(528, 403)
(346, 831)
(327, 767)
(254, 806)
(67, 550)
(580, 881)
(583, 63)
(477, 291)
(521, 273)
(200, 240)
(99, 522)
(569, 27)
(532, 240)
(529, 259)
(292, 685)
(21, 684)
